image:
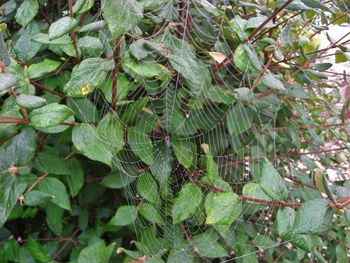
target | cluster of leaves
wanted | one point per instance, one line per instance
(170, 131)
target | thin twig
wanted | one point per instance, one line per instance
(279, 204)
(74, 39)
(291, 154)
(262, 72)
(68, 123)
(338, 241)
(43, 14)
(184, 231)
(272, 16)
(69, 156)
(7, 138)
(307, 64)
(70, 240)
(41, 87)
(37, 181)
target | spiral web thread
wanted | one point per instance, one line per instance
(232, 177)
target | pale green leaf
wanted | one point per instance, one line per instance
(50, 115)
(182, 208)
(26, 12)
(61, 27)
(87, 141)
(125, 215)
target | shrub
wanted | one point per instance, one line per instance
(172, 131)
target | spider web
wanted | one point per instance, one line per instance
(215, 136)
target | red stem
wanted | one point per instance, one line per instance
(291, 154)
(43, 14)
(41, 87)
(272, 16)
(279, 204)
(74, 40)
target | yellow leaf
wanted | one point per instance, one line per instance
(217, 56)
(85, 90)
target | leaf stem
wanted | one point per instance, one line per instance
(272, 16)
(262, 73)
(70, 239)
(37, 181)
(290, 154)
(43, 14)
(41, 87)
(74, 39)
(279, 204)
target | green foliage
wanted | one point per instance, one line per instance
(172, 131)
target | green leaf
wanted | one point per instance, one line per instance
(161, 168)
(222, 208)
(314, 216)
(246, 59)
(220, 94)
(341, 57)
(61, 27)
(195, 72)
(124, 86)
(75, 178)
(35, 198)
(26, 12)
(147, 69)
(132, 111)
(85, 110)
(88, 75)
(54, 164)
(19, 151)
(57, 190)
(212, 168)
(121, 16)
(11, 249)
(184, 151)
(11, 187)
(315, 4)
(86, 139)
(90, 46)
(147, 188)
(125, 215)
(44, 39)
(4, 54)
(342, 253)
(141, 145)
(37, 250)
(285, 220)
(111, 130)
(81, 6)
(272, 82)
(49, 115)
(256, 21)
(117, 180)
(54, 216)
(271, 182)
(7, 80)
(207, 245)
(30, 101)
(97, 253)
(254, 190)
(42, 68)
(94, 26)
(24, 47)
(152, 214)
(239, 120)
(182, 207)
